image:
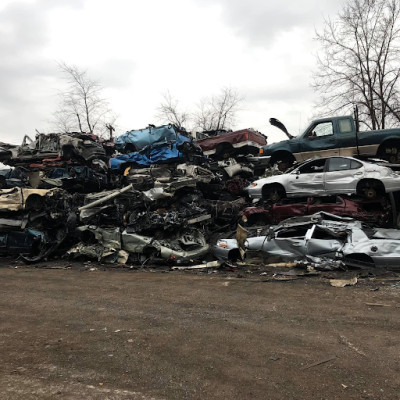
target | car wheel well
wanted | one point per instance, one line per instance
(273, 192)
(234, 255)
(34, 202)
(224, 150)
(389, 150)
(370, 188)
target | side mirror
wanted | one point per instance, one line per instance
(311, 135)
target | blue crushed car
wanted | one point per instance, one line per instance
(137, 140)
(150, 146)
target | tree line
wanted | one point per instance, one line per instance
(358, 63)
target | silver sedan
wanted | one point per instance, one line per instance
(324, 176)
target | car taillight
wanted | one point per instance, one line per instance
(261, 151)
(246, 135)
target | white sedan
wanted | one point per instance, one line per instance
(324, 176)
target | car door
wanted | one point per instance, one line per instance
(288, 242)
(342, 175)
(322, 243)
(307, 180)
(287, 208)
(319, 140)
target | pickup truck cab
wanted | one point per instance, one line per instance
(334, 136)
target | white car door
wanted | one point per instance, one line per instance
(307, 180)
(342, 175)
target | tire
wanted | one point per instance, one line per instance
(390, 153)
(224, 151)
(273, 193)
(369, 189)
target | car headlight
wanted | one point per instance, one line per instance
(254, 184)
(244, 218)
(222, 243)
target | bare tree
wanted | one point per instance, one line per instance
(169, 112)
(82, 106)
(218, 112)
(359, 62)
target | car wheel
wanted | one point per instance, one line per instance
(273, 193)
(369, 190)
(224, 151)
(390, 153)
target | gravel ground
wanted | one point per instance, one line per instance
(117, 334)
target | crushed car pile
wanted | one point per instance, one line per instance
(153, 197)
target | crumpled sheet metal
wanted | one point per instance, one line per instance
(162, 220)
(184, 248)
(108, 237)
(314, 236)
(107, 247)
(157, 193)
(13, 223)
(15, 199)
(195, 171)
(155, 154)
(142, 138)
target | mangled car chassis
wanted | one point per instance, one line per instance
(321, 235)
(161, 201)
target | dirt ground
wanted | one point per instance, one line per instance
(117, 334)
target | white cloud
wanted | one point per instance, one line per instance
(139, 50)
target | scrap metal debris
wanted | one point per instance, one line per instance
(152, 197)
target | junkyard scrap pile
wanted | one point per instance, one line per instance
(152, 196)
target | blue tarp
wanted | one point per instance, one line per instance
(157, 154)
(143, 138)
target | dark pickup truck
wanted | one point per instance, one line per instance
(335, 136)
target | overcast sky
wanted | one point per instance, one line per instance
(141, 49)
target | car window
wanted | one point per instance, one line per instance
(288, 201)
(315, 166)
(355, 164)
(321, 129)
(324, 234)
(345, 125)
(292, 232)
(342, 164)
(326, 200)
